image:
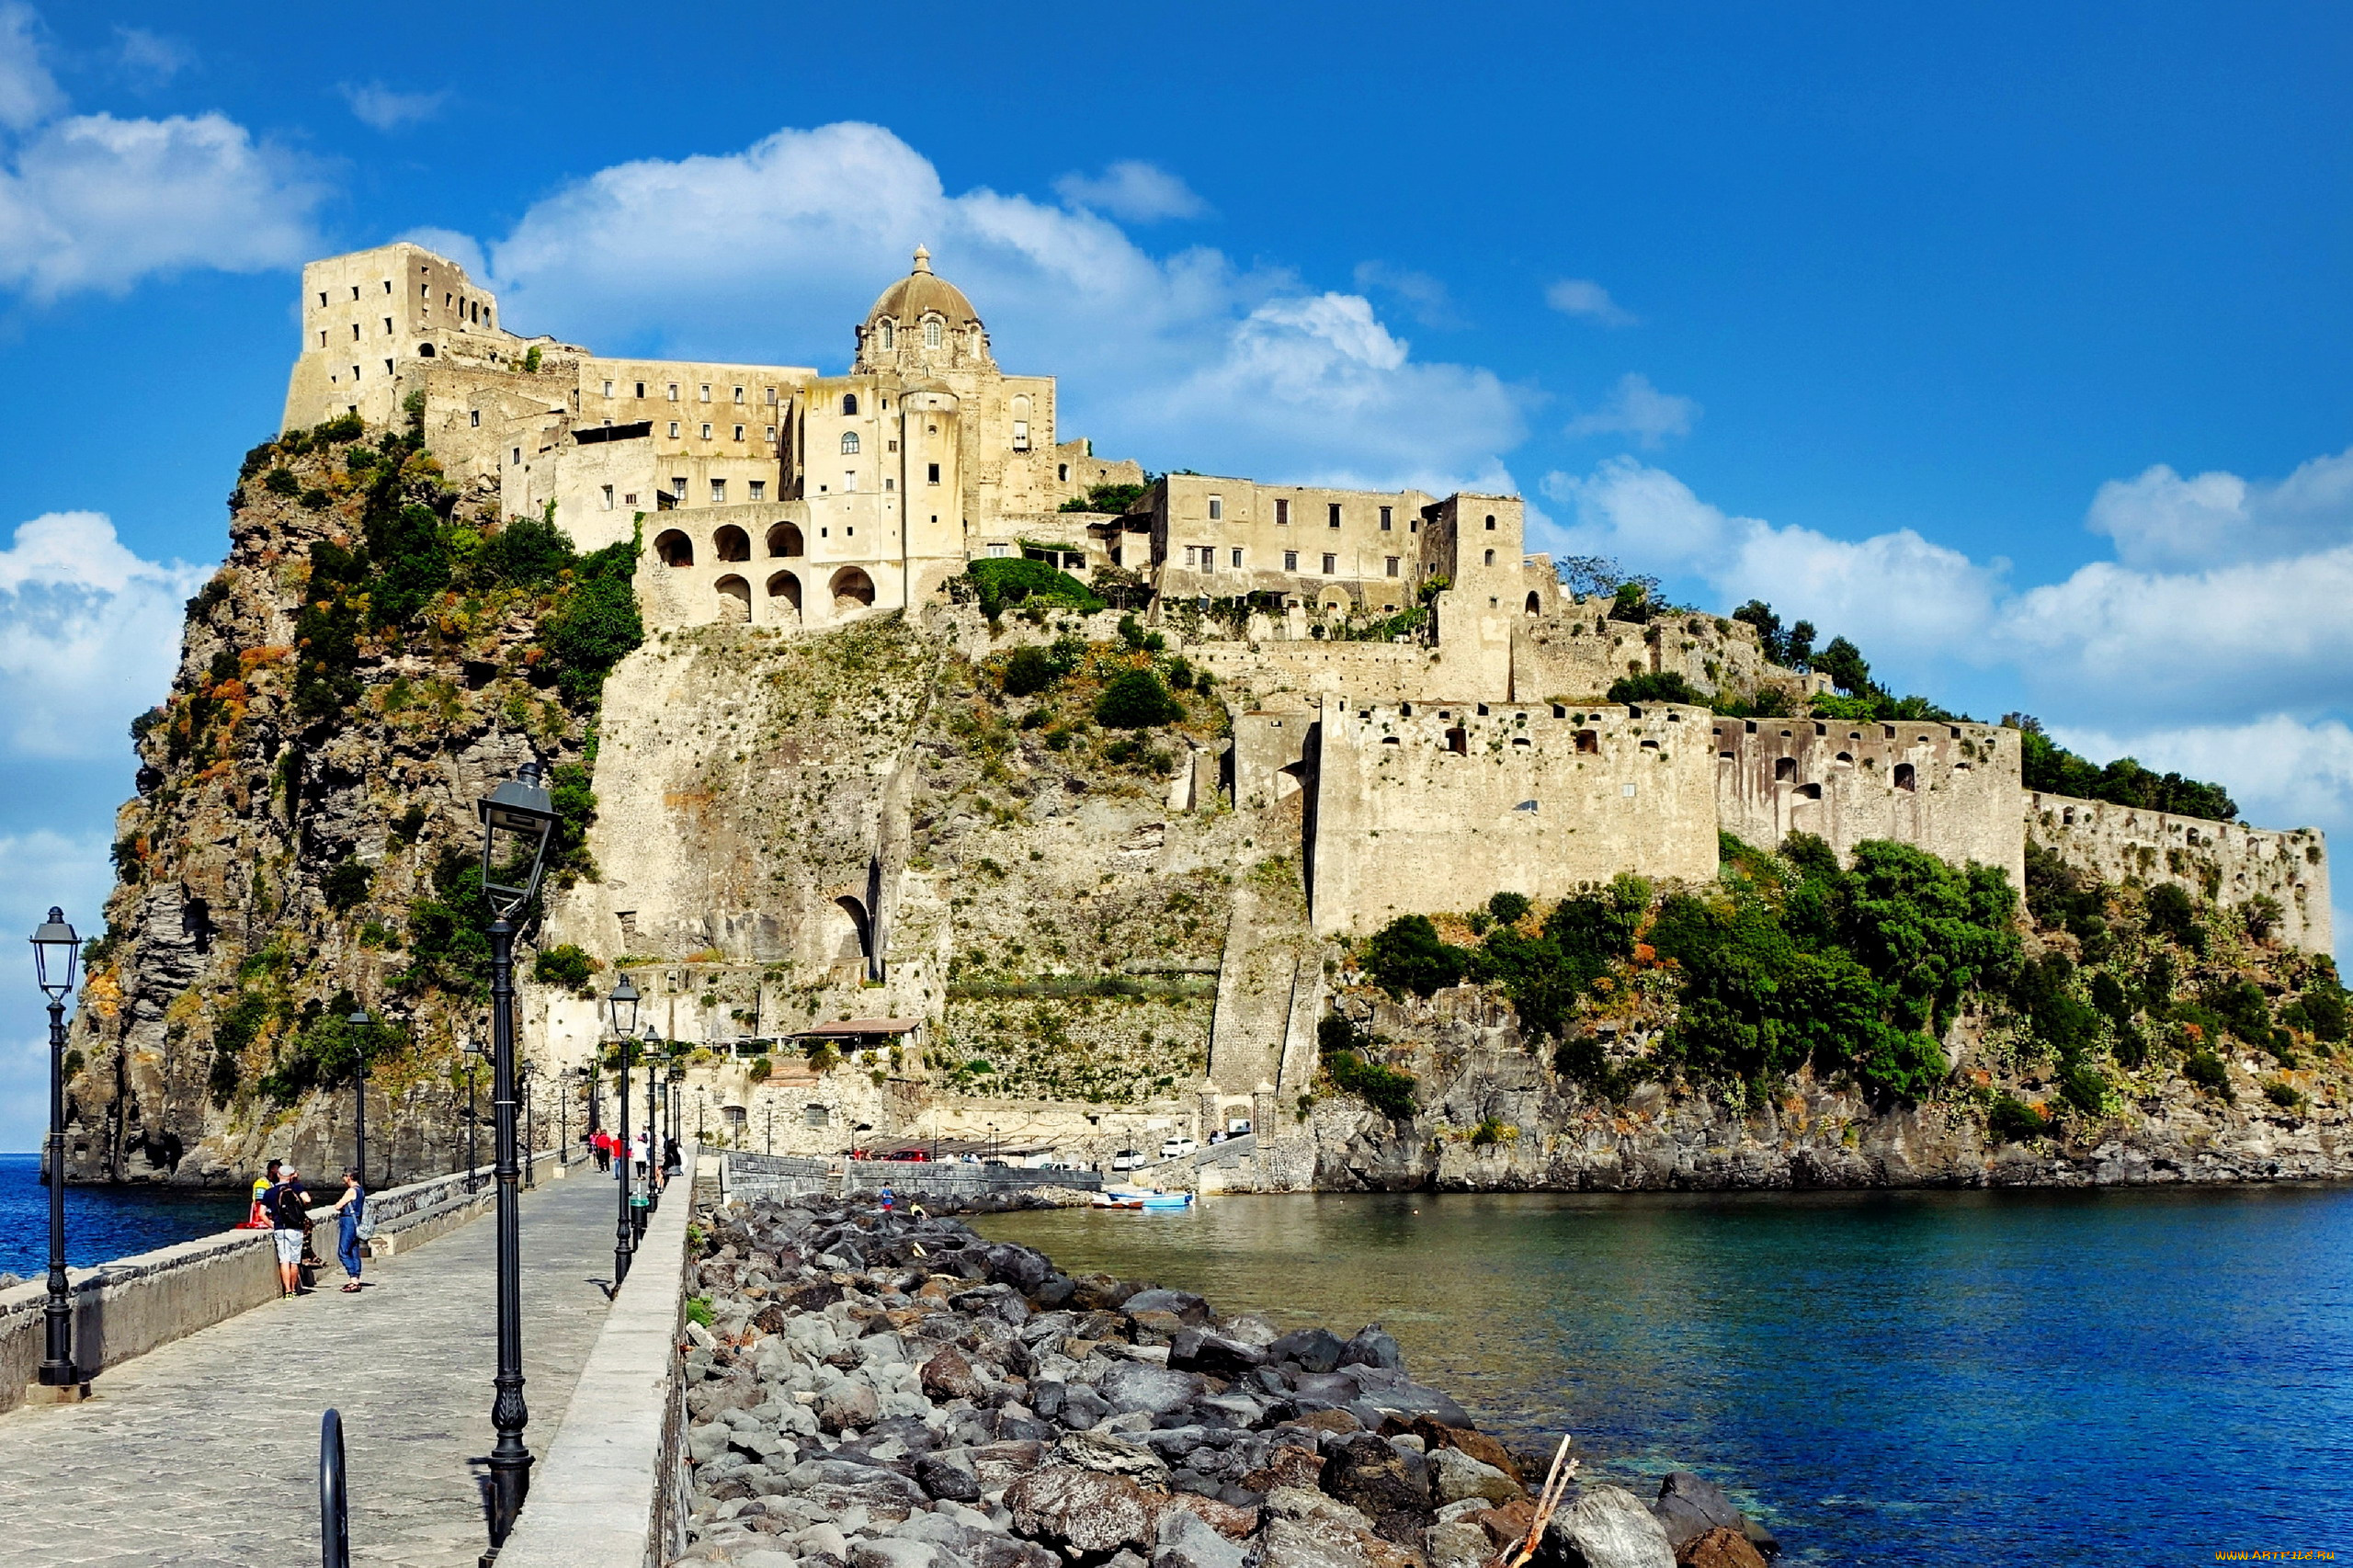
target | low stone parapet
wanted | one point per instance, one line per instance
(130, 1305)
(779, 1176)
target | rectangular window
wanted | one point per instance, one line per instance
(640, 389)
(388, 327)
(895, 445)
(772, 397)
(1290, 561)
(1237, 561)
(849, 481)
(706, 392)
(718, 493)
(355, 332)
(1021, 435)
(889, 483)
(739, 432)
(935, 473)
(1189, 553)
(609, 389)
(674, 391)
(322, 337)
(999, 551)
(1282, 514)
(473, 418)
(1217, 508)
(1209, 559)
(607, 498)
(1384, 520)
(759, 489)
(323, 296)
(739, 394)
(1331, 564)
(354, 372)
(628, 498)
(678, 487)
(519, 457)
(1389, 564)
(673, 429)
(1335, 514)
(771, 435)
(705, 432)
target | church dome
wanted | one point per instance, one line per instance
(920, 293)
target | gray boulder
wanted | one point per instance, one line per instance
(1182, 1303)
(1186, 1541)
(1081, 1512)
(1455, 1475)
(1113, 1456)
(1316, 1349)
(940, 1476)
(1372, 1347)
(1140, 1386)
(1607, 1528)
(1689, 1507)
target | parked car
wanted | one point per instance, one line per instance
(1177, 1148)
(908, 1155)
(1127, 1160)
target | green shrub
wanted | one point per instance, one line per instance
(346, 883)
(1012, 580)
(1654, 686)
(1407, 956)
(1385, 1089)
(2012, 1120)
(281, 481)
(1507, 907)
(2243, 1008)
(566, 964)
(2320, 1010)
(528, 553)
(1137, 701)
(2205, 1069)
(2081, 1085)
(699, 1309)
(1031, 671)
(2283, 1094)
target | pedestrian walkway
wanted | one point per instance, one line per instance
(205, 1452)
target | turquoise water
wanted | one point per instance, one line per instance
(1917, 1377)
(100, 1223)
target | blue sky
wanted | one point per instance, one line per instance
(2007, 340)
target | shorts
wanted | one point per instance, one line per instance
(289, 1245)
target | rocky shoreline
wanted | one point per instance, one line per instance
(878, 1389)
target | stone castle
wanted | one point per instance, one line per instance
(1416, 766)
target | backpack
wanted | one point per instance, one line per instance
(364, 1230)
(288, 1207)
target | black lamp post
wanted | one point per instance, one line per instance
(474, 1164)
(361, 1026)
(530, 1124)
(653, 1155)
(55, 951)
(621, 1012)
(517, 820)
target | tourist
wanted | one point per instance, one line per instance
(257, 1216)
(288, 1204)
(351, 1210)
(600, 1143)
(674, 1160)
(642, 1155)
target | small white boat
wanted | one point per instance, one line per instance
(1141, 1198)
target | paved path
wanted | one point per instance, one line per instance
(205, 1452)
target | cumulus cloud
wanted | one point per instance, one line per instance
(2160, 520)
(149, 59)
(89, 634)
(379, 108)
(1636, 408)
(97, 203)
(781, 248)
(1138, 192)
(28, 93)
(1584, 297)
(1906, 600)
(1425, 298)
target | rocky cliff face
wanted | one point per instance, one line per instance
(369, 661)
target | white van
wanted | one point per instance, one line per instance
(1127, 1160)
(1177, 1147)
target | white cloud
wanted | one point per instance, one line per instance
(1638, 409)
(28, 93)
(1138, 192)
(2161, 519)
(89, 635)
(150, 59)
(779, 249)
(1584, 297)
(378, 106)
(1425, 298)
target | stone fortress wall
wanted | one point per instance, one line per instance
(2226, 862)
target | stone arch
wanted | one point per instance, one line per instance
(1907, 780)
(424, 351)
(1535, 603)
(786, 587)
(1785, 771)
(784, 540)
(852, 588)
(732, 544)
(675, 547)
(734, 600)
(849, 402)
(848, 933)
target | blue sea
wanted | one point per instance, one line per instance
(100, 1223)
(2138, 1377)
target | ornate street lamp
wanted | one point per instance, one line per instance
(517, 820)
(621, 1010)
(653, 1155)
(55, 951)
(361, 1024)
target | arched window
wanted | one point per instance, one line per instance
(852, 589)
(1535, 605)
(784, 540)
(734, 601)
(1491, 522)
(887, 335)
(849, 442)
(1491, 558)
(1785, 771)
(849, 402)
(931, 332)
(1908, 780)
(732, 544)
(675, 547)
(424, 351)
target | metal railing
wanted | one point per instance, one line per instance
(335, 1501)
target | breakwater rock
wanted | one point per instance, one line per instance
(875, 1388)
